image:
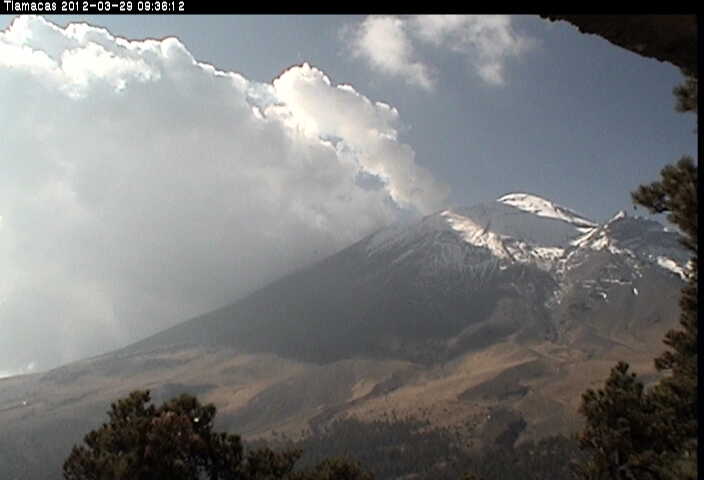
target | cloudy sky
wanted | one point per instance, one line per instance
(153, 168)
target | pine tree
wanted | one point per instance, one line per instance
(675, 396)
(632, 433)
(176, 441)
(618, 432)
(686, 95)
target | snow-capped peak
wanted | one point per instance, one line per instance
(527, 229)
(545, 208)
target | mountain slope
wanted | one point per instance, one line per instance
(481, 319)
(481, 273)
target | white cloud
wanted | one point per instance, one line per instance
(140, 187)
(485, 41)
(384, 43)
(367, 128)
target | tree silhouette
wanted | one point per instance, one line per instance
(633, 433)
(176, 441)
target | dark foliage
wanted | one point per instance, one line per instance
(175, 441)
(633, 433)
(411, 448)
(676, 195)
(389, 448)
(619, 432)
(686, 95)
(334, 469)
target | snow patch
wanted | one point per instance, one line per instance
(601, 243)
(671, 265)
(584, 239)
(621, 214)
(475, 234)
(621, 251)
(544, 208)
(548, 253)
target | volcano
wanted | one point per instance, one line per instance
(502, 313)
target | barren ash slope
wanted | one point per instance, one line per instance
(513, 306)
